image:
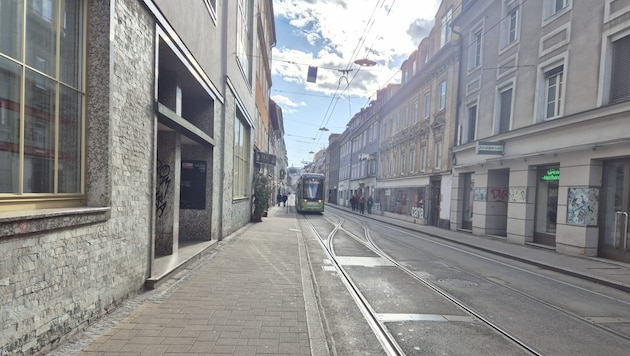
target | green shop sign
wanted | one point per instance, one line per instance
(552, 174)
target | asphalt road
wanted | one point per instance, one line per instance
(440, 298)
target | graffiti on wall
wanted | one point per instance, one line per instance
(417, 212)
(480, 194)
(163, 183)
(498, 195)
(518, 195)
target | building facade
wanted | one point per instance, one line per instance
(418, 129)
(125, 138)
(543, 149)
(364, 146)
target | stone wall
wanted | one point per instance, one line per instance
(55, 282)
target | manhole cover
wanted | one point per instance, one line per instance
(462, 283)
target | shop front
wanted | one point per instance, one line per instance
(615, 208)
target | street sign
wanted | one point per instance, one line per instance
(490, 148)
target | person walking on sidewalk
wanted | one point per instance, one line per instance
(370, 202)
(279, 198)
(362, 205)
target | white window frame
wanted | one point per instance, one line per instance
(606, 77)
(497, 121)
(423, 158)
(445, 27)
(211, 5)
(551, 11)
(427, 105)
(467, 126)
(442, 96)
(511, 23)
(416, 111)
(412, 159)
(475, 48)
(437, 155)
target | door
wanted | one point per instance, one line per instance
(434, 215)
(614, 227)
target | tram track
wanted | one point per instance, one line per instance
(387, 340)
(369, 242)
(372, 246)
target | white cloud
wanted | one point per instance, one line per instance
(340, 32)
(288, 106)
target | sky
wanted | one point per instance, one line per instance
(331, 35)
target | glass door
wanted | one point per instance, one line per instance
(614, 227)
(546, 205)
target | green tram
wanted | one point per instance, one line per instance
(310, 193)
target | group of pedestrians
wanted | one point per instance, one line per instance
(282, 198)
(358, 203)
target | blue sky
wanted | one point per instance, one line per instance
(332, 34)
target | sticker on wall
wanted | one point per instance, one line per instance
(582, 206)
(481, 194)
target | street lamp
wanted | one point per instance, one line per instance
(364, 62)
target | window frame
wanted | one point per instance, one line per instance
(211, 5)
(437, 155)
(445, 27)
(557, 86)
(499, 105)
(510, 24)
(48, 77)
(468, 127)
(241, 156)
(551, 11)
(475, 53)
(427, 105)
(442, 96)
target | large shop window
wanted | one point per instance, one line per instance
(547, 199)
(241, 156)
(42, 96)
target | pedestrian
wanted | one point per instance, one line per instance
(353, 203)
(362, 205)
(370, 202)
(279, 198)
(284, 200)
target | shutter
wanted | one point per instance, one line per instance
(620, 82)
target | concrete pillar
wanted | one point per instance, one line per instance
(167, 193)
(521, 204)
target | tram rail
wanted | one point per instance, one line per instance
(387, 340)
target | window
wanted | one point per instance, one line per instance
(442, 103)
(553, 91)
(405, 117)
(241, 156)
(438, 155)
(212, 7)
(416, 111)
(412, 160)
(427, 105)
(505, 109)
(42, 95)
(476, 46)
(244, 37)
(510, 26)
(423, 158)
(471, 122)
(445, 28)
(403, 163)
(620, 76)
(552, 7)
